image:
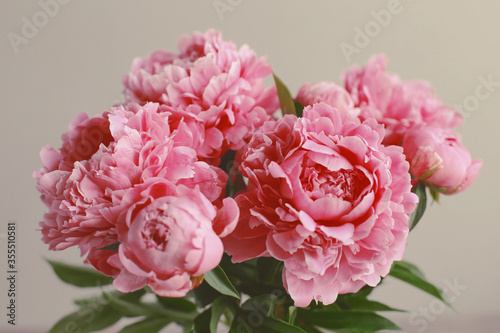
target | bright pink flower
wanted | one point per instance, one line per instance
(327, 198)
(138, 144)
(213, 80)
(438, 158)
(399, 105)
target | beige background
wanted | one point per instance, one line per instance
(74, 63)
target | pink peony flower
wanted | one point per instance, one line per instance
(327, 92)
(327, 198)
(83, 139)
(142, 144)
(167, 240)
(438, 158)
(128, 205)
(399, 105)
(65, 186)
(213, 80)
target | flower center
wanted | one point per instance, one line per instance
(156, 233)
(318, 182)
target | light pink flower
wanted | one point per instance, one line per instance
(167, 239)
(83, 139)
(127, 204)
(327, 92)
(138, 144)
(327, 198)
(399, 105)
(69, 190)
(212, 79)
(438, 158)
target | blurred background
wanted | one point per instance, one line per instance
(61, 57)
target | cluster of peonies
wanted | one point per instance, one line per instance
(418, 121)
(413, 117)
(212, 80)
(132, 176)
(139, 189)
(144, 175)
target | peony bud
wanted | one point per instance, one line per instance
(438, 158)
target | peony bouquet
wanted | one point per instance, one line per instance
(210, 200)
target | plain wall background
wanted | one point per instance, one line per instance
(74, 63)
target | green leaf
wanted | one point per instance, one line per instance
(227, 161)
(147, 325)
(262, 304)
(79, 276)
(409, 273)
(410, 267)
(257, 321)
(86, 301)
(292, 314)
(435, 191)
(299, 108)
(353, 331)
(131, 297)
(111, 247)
(434, 194)
(256, 289)
(245, 271)
(219, 281)
(362, 304)
(240, 325)
(279, 326)
(365, 291)
(177, 304)
(310, 329)
(270, 270)
(422, 204)
(334, 307)
(235, 181)
(137, 309)
(429, 173)
(348, 319)
(89, 318)
(202, 322)
(218, 308)
(359, 302)
(204, 294)
(286, 101)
